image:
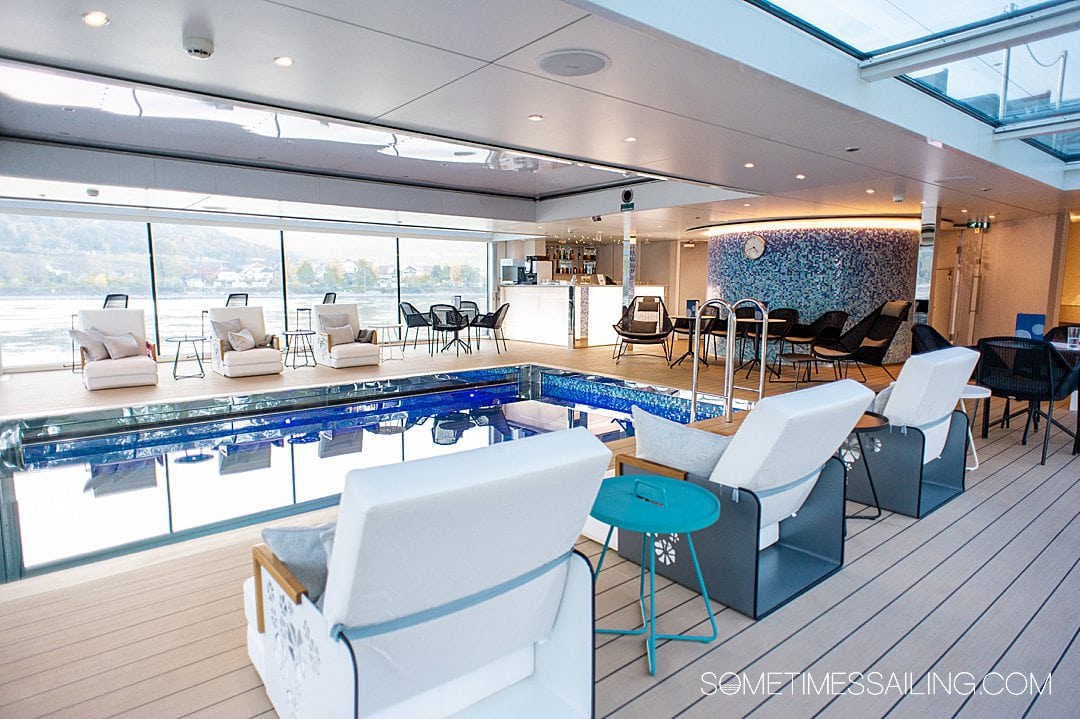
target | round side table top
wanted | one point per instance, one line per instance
(659, 505)
(185, 338)
(298, 333)
(975, 391)
(870, 422)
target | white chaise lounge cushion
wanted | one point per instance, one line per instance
(415, 536)
(248, 358)
(926, 392)
(133, 366)
(786, 438)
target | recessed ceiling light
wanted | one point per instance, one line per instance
(284, 61)
(991, 216)
(800, 176)
(536, 118)
(985, 189)
(922, 202)
(964, 210)
(746, 204)
(851, 149)
(95, 18)
(68, 109)
(572, 63)
(630, 139)
(748, 165)
(869, 190)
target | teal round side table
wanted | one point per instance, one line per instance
(655, 505)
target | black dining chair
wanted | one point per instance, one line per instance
(1059, 333)
(329, 298)
(775, 333)
(471, 312)
(237, 299)
(493, 322)
(115, 300)
(446, 319)
(414, 320)
(1031, 371)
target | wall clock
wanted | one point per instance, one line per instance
(754, 247)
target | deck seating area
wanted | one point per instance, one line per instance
(984, 584)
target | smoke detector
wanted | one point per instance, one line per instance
(572, 63)
(198, 47)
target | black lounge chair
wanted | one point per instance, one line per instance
(925, 338)
(329, 298)
(115, 301)
(237, 299)
(645, 321)
(1032, 371)
(868, 341)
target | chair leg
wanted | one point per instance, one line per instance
(1027, 422)
(887, 372)
(863, 374)
(986, 418)
(1049, 423)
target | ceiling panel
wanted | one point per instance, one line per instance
(453, 24)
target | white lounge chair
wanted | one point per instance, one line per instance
(133, 371)
(918, 464)
(452, 589)
(340, 354)
(264, 358)
(781, 491)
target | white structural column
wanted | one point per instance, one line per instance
(629, 262)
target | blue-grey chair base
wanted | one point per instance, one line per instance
(903, 483)
(752, 582)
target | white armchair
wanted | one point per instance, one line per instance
(264, 359)
(452, 589)
(781, 491)
(133, 371)
(340, 354)
(918, 464)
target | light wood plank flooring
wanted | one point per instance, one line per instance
(985, 584)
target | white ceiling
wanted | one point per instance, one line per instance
(466, 70)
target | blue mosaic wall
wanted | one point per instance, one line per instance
(815, 270)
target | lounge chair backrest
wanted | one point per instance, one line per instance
(926, 392)
(412, 538)
(350, 309)
(784, 442)
(251, 318)
(115, 322)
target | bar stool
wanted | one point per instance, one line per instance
(973, 392)
(656, 506)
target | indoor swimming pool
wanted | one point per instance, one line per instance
(84, 487)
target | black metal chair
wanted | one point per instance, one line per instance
(471, 312)
(925, 338)
(775, 333)
(447, 319)
(237, 299)
(448, 428)
(414, 319)
(645, 321)
(115, 301)
(1059, 333)
(824, 331)
(329, 298)
(868, 341)
(1031, 371)
(493, 321)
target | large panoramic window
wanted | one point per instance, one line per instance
(52, 267)
(198, 267)
(437, 271)
(361, 270)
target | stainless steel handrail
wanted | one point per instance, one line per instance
(764, 339)
(729, 375)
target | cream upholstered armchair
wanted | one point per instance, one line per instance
(781, 491)
(452, 589)
(114, 349)
(338, 347)
(918, 465)
(227, 359)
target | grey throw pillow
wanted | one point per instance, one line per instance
(305, 551)
(91, 341)
(120, 346)
(326, 321)
(660, 440)
(242, 341)
(340, 335)
(221, 328)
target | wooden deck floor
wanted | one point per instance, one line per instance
(987, 584)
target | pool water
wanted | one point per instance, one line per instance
(83, 493)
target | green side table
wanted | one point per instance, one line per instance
(653, 506)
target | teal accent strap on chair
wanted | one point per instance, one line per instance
(926, 425)
(340, 632)
(783, 487)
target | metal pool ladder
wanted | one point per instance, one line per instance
(729, 353)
